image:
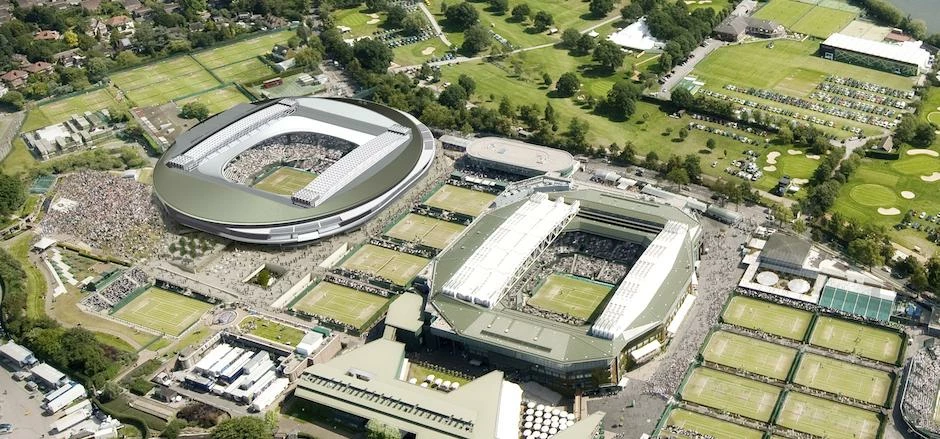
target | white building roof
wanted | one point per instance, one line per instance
(642, 282)
(47, 373)
(908, 52)
(44, 243)
(635, 36)
(486, 274)
(868, 290)
(16, 352)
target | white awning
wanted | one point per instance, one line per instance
(680, 315)
(646, 350)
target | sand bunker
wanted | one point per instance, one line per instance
(794, 152)
(428, 50)
(812, 156)
(929, 152)
(799, 181)
(770, 168)
(373, 21)
(373, 15)
(889, 212)
(772, 158)
(931, 178)
(907, 195)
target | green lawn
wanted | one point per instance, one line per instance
(217, 100)
(785, 12)
(242, 50)
(361, 22)
(828, 419)
(750, 354)
(420, 373)
(713, 427)
(794, 166)
(349, 306)
(163, 311)
(285, 181)
(768, 317)
(854, 338)
(821, 22)
(461, 200)
(62, 110)
(35, 282)
(274, 331)
(243, 71)
(395, 266)
(426, 230)
(723, 391)
(414, 54)
(570, 295)
(164, 81)
(841, 378)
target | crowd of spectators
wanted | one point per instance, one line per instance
(105, 211)
(406, 247)
(311, 152)
(116, 291)
(921, 390)
(350, 281)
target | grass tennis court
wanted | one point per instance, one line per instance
(60, 111)
(426, 230)
(570, 295)
(460, 200)
(395, 266)
(822, 21)
(731, 393)
(828, 419)
(242, 50)
(752, 355)
(864, 341)
(785, 12)
(162, 82)
(163, 310)
(841, 378)
(346, 305)
(274, 331)
(708, 425)
(285, 181)
(768, 317)
(243, 71)
(217, 100)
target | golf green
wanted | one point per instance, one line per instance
(873, 195)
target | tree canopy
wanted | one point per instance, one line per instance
(462, 15)
(194, 110)
(608, 55)
(12, 194)
(568, 84)
(373, 55)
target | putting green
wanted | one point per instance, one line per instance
(934, 117)
(873, 195)
(916, 165)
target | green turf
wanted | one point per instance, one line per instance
(752, 355)
(874, 195)
(715, 428)
(841, 378)
(358, 20)
(821, 22)
(398, 267)
(285, 181)
(864, 341)
(570, 295)
(63, 109)
(723, 391)
(162, 82)
(768, 317)
(243, 71)
(352, 307)
(794, 166)
(785, 12)
(163, 311)
(19, 247)
(420, 373)
(241, 50)
(460, 200)
(270, 330)
(413, 54)
(425, 230)
(825, 418)
(217, 100)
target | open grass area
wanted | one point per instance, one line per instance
(708, 425)
(570, 295)
(271, 330)
(243, 71)
(164, 81)
(349, 306)
(854, 338)
(63, 109)
(359, 20)
(194, 337)
(35, 282)
(425, 230)
(65, 310)
(794, 166)
(163, 310)
(750, 354)
(460, 200)
(785, 12)
(825, 418)
(414, 54)
(420, 373)
(285, 181)
(841, 378)
(241, 50)
(121, 406)
(805, 18)
(398, 267)
(731, 393)
(768, 317)
(217, 100)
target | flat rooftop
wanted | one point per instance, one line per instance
(521, 154)
(909, 52)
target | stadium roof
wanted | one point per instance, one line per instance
(405, 312)
(862, 300)
(786, 248)
(521, 154)
(366, 382)
(909, 52)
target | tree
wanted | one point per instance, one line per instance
(577, 134)
(376, 5)
(866, 251)
(683, 133)
(264, 277)
(475, 40)
(505, 107)
(710, 143)
(454, 97)
(195, 110)
(192, 7)
(70, 38)
(521, 12)
(924, 135)
(13, 99)
(462, 16)
(665, 62)
(584, 45)
(549, 114)
(308, 58)
(621, 99)
(173, 428)
(412, 25)
(542, 20)
(600, 8)
(126, 58)
(682, 98)
(378, 430)
(499, 7)
(632, 11)
(608, 55)
(467, 83)
(784, 135)
(547, 79)
(652, 160)
(568, 84)
(373, 55)
(395, 16)
(244, 427)
(678, 176)
(569, 38)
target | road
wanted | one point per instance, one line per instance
(437, 27)
(17, 408)
(683, 70)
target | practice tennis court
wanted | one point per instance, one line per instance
(163, 310)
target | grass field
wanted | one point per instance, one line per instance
(285, 181)
(731, 393)
(242, 50)
(795, 166)
(796, 16)
(768, 317)
(785, 12)
(414, 54)
(841, 378)
(426, 230)
(346, 305)
(460, 200)
(716, 428)
(395, 266)
(243, 71)
(864, 341)
(752, 355)
(163, 311)
(159, 83)
(570, 295)
(274, 331)
(825, 418)
(873, 195)
(61, 110)
(359, 20)
(35, 284)
(217, 100)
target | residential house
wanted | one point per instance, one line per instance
(121, 24)
(69, 58)
(98, 28)
(38, 67)
(735, 27)
(765, 28)
(47, 35)
(731, 28)
(15, 78)
(20, 59)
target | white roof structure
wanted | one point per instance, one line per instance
(309, 344)
(635, 36)
(47, 373)
(212, 357)
(269, 394)
(71, 395)
(489, 271)
(680, 316)
(642, 282)
(909, 52)
(868, 290)
(17, 353)
(44, 243)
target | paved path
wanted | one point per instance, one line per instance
(437, 27)
(682, 70)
